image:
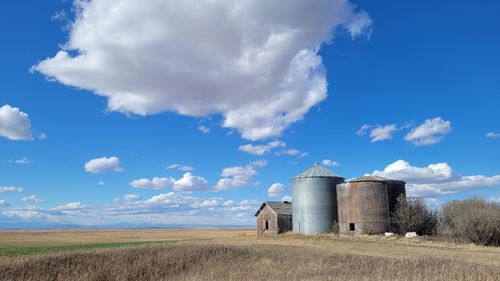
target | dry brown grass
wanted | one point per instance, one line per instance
(216, 262)
(49, 237)
(239, 255)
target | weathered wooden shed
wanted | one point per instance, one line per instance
(274, 218)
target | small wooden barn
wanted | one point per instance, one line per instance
(274, 218)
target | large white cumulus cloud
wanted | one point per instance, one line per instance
(255, 62)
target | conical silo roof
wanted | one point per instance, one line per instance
(373, 179)
(317, 171)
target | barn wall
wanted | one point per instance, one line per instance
(269, 215)
(285, 223)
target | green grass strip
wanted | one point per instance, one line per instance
(41, 249)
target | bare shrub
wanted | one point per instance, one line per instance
(473, 220)
(335, 228)
(412, 215)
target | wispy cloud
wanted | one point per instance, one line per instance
(493, 135)
(10, 189)
(179, 167)
(331, 163)
(23, 160)
(261, 149)
(32, 198)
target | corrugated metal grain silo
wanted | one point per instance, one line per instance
(366, 204)
(314, 205)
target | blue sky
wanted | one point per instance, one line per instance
(241, 95)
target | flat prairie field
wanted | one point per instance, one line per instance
(235, 254)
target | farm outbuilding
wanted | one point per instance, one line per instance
(366, 204)
(274, 218)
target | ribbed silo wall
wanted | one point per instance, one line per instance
(367, 205)
(314, 204)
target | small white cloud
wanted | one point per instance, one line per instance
(429, 132)
(493, 135)
(104, 164)
(100, 183)
(259, 163)
(190, 182)
(10, 189)
(131, 197)
(360, 24)
(154, 183)
(23, 160)
(292, 152)
(381, 133)
(330, 163)
(4, 203)
(204, 204)
(249, 202)
(32, 198)
(363, 130)
(264, 149)
(14, 124)
(42, 136)
(73, 206)
(286, 198)
(179, 167)
(229, 203)
(237, 176)
(261, 149)
(276, 189)
(23, 214)
(204, 129)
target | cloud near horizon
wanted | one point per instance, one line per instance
(258, 63)
(435, 179)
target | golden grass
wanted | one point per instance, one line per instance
(217, 262)
(47, 237)
(237, 254)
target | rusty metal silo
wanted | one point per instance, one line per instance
(365, 205)
(315, 200)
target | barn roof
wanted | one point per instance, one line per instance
(280, 208)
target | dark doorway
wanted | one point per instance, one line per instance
(267, 225)
(352, 227)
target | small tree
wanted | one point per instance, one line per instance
(412, 215)
(473, 220)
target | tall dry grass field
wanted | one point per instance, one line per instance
(239, 255)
